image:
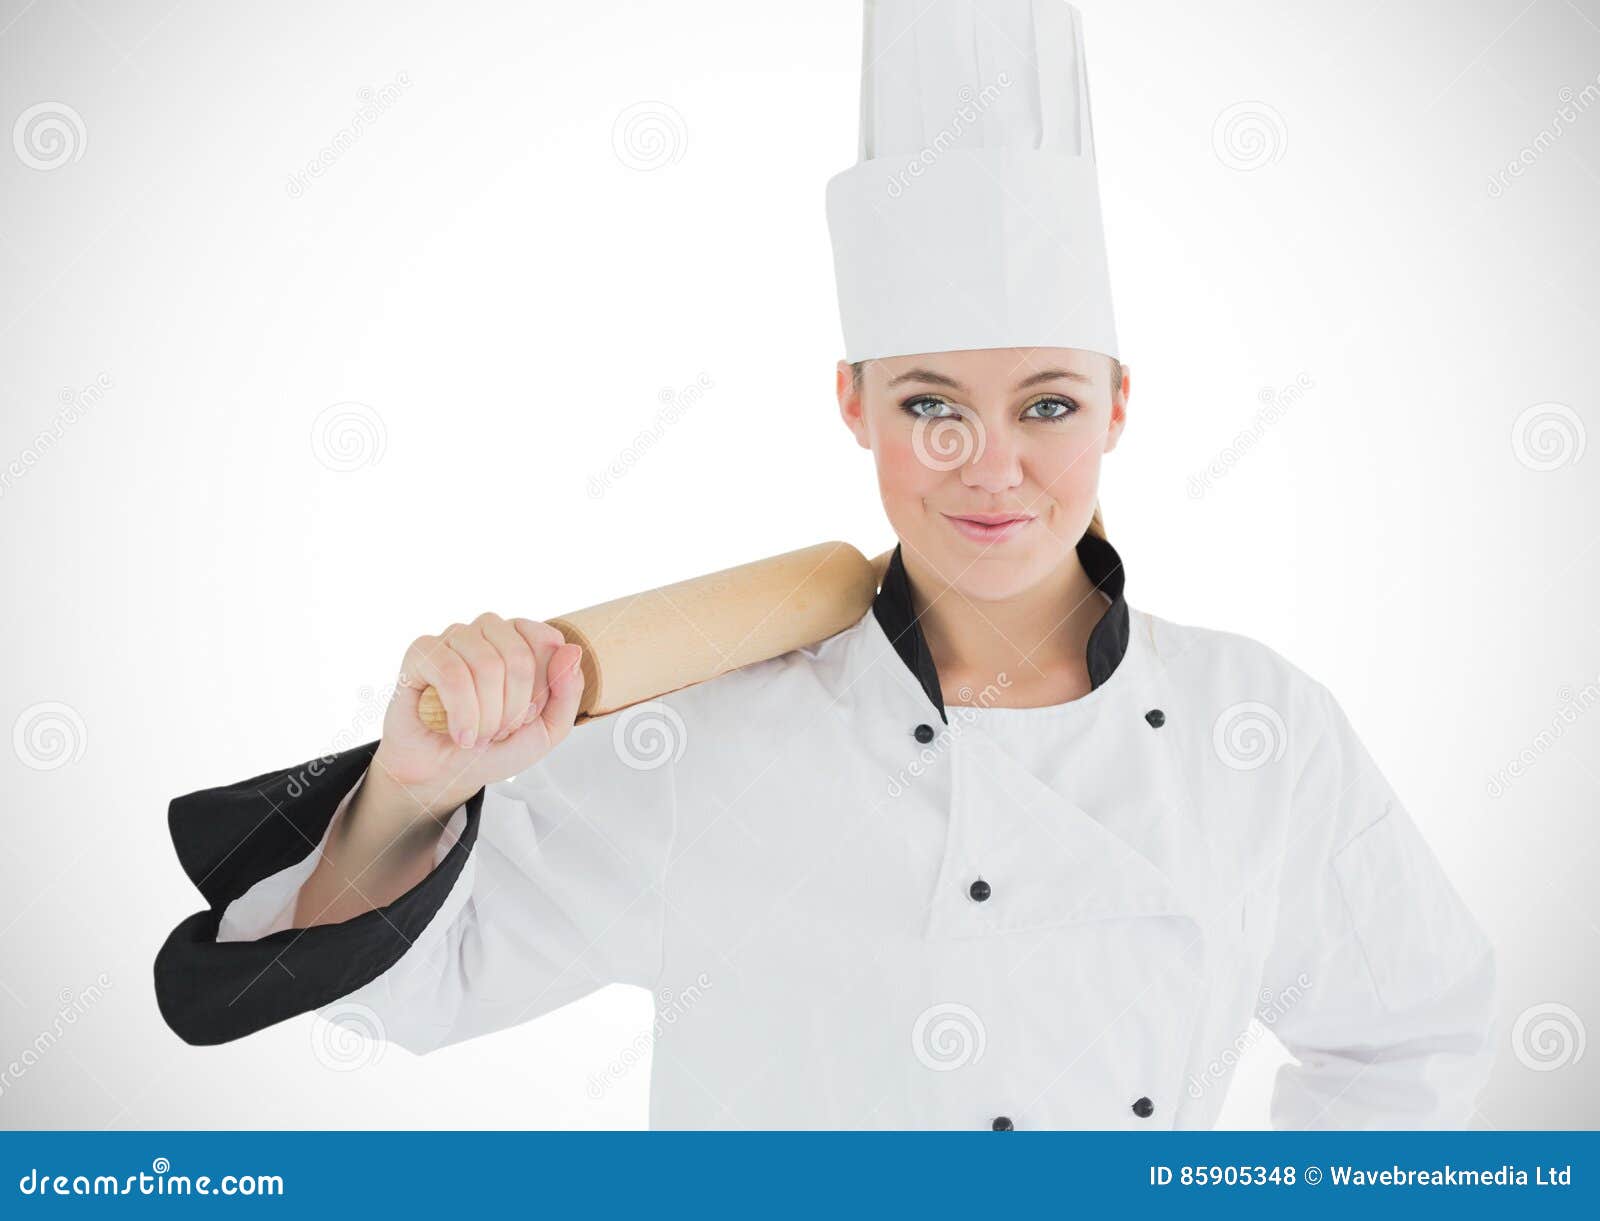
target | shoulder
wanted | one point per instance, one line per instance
(1225, 663)
(1241, 681)
(743, 694)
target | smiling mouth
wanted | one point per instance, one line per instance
(989, 527)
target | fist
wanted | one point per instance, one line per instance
(510, 690)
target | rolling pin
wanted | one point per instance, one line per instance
(645, 645)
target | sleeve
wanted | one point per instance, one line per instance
(545, 887)
(1378, 981)
(268, 907)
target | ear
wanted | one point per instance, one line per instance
(850, 404)
(1119, 409)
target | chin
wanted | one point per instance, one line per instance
(990, 574)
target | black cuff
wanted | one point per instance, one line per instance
(227, 840)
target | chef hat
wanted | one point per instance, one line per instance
(972, 219)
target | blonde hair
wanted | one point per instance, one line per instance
(1097, 525)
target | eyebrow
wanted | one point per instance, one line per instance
(939, 379)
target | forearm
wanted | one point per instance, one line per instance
(382, 845)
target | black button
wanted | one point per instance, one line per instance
(1156, 717)
(1002, 1124)
(979, 890)
(924, 733)
(1144, 1108)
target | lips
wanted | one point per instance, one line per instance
(989, 527)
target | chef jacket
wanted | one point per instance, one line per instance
(858, 906)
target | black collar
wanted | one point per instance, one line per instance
(1107, 642)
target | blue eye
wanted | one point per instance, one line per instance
(1067, 406)
(910, 407)
(932, 407)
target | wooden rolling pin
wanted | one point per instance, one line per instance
(643, 646)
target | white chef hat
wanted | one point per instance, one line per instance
(972, 219)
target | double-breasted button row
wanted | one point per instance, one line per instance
(980, 890)
(1142, 1107)
(924, 733)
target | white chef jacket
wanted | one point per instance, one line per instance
(856, 907)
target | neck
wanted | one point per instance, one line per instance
(1036, 638)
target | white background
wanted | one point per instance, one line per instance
(512, 297)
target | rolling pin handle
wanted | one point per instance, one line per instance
(848, 582)
(430, 711)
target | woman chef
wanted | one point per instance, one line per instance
(1006, 853)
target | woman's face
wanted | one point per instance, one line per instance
(995, 435)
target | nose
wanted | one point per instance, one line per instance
(996, 462)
